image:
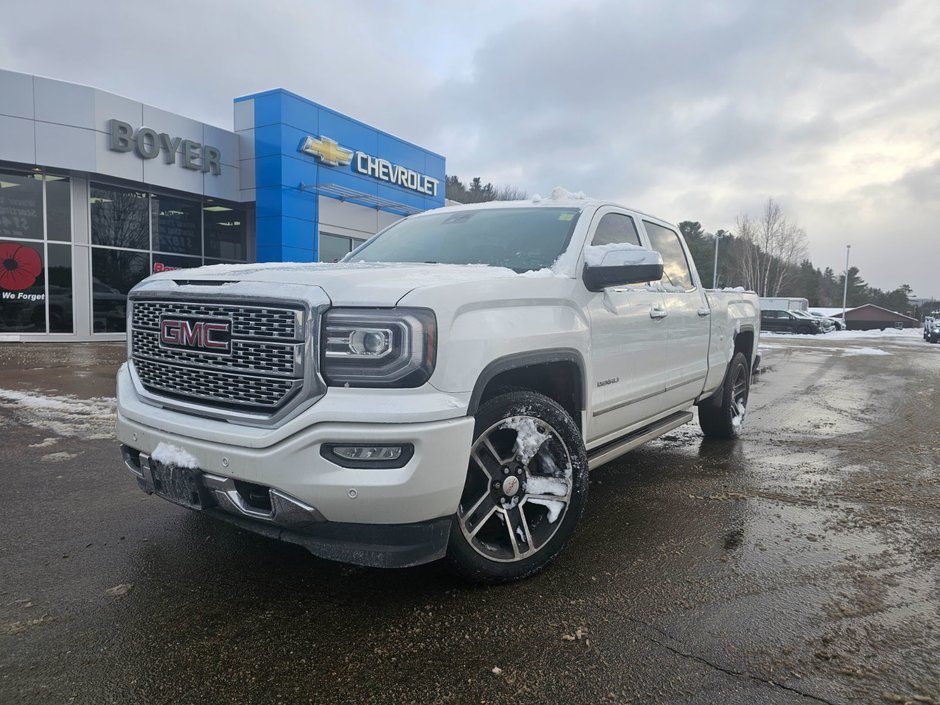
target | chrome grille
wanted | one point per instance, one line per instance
(247, 321)
(220, 388)
(281, 359)
(263, 371)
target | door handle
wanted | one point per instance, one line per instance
(658, 312)
(704, 312)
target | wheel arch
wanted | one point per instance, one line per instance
(558, 373)
(746, 342)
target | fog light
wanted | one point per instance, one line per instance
(357, 455)
(368, 452)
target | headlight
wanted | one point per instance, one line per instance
(378, 347)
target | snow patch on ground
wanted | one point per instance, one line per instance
(864, 351)
(167, 454)
(58, 457)
(90, 419)
(888, 334)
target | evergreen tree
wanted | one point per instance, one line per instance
(478, 192)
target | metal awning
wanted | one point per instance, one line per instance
(344, 193)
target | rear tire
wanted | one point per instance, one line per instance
(525, 490)
(722, 415)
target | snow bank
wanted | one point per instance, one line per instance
(864, 351)
(91, 419)
(899, 335)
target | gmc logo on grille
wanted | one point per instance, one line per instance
(211, 335)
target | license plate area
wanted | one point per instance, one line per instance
(180, 485)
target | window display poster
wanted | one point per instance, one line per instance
(22, 288)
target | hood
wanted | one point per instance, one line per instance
(347, 284)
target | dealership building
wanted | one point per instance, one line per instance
(97, 191)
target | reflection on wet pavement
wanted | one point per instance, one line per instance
(800, 563)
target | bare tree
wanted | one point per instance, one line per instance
(771, 248)
(510, 193)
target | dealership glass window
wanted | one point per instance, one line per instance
(20, 205)
(168, 263)
(177, 225)
(334, 247)
(226, 232)
(119, 218)
(22, 287)
(113, 274)
(59, 268)
(58, 208)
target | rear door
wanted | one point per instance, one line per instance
(628, 341)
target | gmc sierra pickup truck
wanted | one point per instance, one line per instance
(442, 391)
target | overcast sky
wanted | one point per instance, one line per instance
(692, 110)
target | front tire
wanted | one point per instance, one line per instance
(722, 415)
(525, 490)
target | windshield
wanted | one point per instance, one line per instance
(518, 238)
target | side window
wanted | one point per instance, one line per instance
(675, 266)
(616, 228)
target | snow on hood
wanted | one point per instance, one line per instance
(346, 283)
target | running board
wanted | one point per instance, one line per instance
(614, 449)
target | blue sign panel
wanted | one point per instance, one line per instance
(303, 150)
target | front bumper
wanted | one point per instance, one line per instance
(288, 519)
(367, 515)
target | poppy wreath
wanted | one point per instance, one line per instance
(19, 266)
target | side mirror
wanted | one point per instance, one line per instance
(618, 265)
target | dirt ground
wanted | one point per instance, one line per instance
(798, 564)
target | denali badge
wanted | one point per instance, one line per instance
(211, 335)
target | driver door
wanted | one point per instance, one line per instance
(628, 342)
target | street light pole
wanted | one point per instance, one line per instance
(845, 290)
(718, 237)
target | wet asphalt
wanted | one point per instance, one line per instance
(798, 564)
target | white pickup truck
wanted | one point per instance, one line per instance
(443, 391)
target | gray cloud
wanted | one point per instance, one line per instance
(689, 110)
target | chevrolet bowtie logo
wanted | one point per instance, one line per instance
(327, 151)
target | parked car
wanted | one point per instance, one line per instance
(790, 322)
(825, 324)
(389, 411)
(836, 323)
(931, 329)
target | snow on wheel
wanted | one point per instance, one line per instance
(525, 489)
